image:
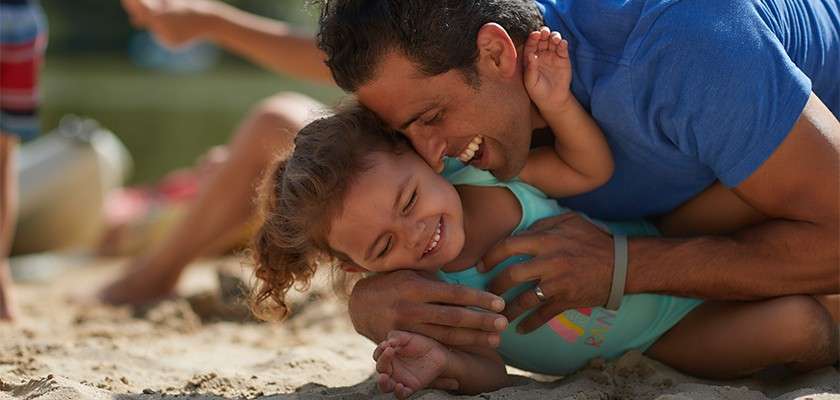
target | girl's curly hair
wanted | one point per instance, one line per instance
(300, 195)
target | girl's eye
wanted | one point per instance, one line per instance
(411, 202)
(385, 249)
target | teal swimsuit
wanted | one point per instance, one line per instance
(571, 339)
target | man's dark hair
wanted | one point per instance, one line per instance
(437, 35)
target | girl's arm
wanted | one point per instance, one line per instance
(581, 160)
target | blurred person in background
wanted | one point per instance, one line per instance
(23, 39)
(224, 203)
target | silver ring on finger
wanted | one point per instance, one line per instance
(539, 293)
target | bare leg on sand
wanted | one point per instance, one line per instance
(225, 203)
(733, 339)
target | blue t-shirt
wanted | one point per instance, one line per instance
(692, 91)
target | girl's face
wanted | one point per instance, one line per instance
(399, 214)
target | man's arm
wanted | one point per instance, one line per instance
(796, 251)
(269, 43)
(405, 300)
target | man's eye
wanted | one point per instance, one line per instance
(410, 203)
(435, 119)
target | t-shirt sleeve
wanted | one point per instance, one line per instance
(713, 79)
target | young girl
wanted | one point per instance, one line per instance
(354, 193)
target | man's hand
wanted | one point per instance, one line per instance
(572, 263)
(175, 23)
(405, 300)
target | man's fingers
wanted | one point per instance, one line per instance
(461, 317)
(459, 336)
(540, 316)
(524, 244)
(521, 304)
(549, 222)
(445, 384)
(515, 274)
(460, 295)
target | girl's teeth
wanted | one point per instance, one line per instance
(435, 240)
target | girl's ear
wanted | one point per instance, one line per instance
(351, 267)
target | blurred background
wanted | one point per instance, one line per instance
(167, 108)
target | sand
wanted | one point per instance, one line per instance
(198, 346)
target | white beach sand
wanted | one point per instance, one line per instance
(195, 349)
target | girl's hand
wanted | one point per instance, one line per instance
(548, 70)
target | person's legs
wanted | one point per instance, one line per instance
(22, 44)
(732, 339)
(225, 203)
(8, 216)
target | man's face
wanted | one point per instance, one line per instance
(442, 115)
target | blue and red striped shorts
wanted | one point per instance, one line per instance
(23, 39)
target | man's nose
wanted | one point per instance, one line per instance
(430, 146)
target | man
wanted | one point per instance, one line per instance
(688, 93)
(477, 88)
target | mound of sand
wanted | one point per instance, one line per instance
(204, 346)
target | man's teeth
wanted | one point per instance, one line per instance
(469, 152)
(435, 239)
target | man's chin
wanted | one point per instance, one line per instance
(503, 174)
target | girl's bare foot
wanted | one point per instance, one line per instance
(409, 362)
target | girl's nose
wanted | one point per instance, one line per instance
(414, 233)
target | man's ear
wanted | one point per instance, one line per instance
(351, 267)
(496, 51)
